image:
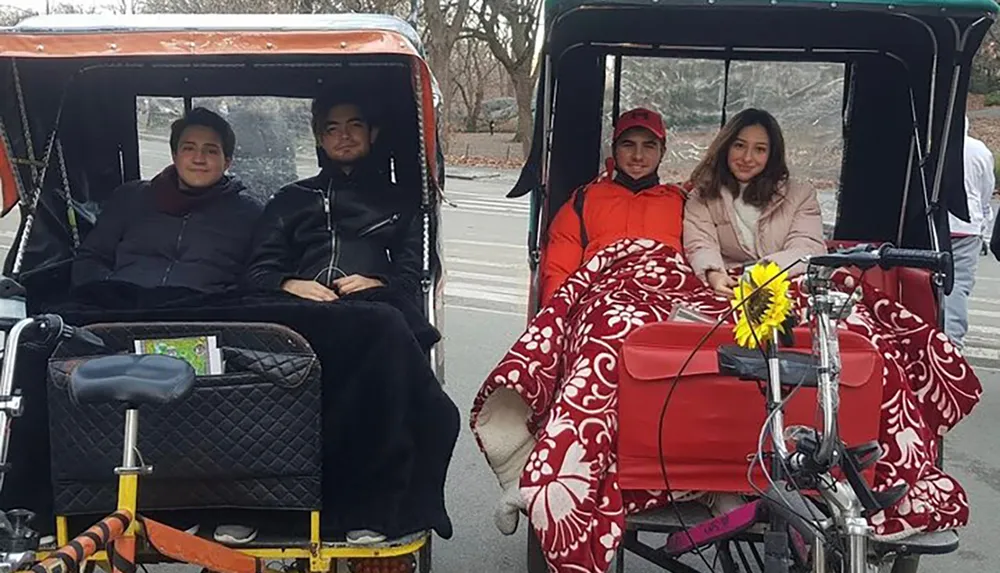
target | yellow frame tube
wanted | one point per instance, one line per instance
(128, 499)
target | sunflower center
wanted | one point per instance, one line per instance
(757, 305)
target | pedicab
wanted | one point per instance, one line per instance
(84, 100)
(895, 100)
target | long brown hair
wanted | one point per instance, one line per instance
(713, 173)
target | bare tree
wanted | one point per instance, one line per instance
(444, 22)
(475, 75)
(509, 28)
(11, 15)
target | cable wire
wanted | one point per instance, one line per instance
(669, 396)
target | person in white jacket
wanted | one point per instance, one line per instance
(967, 237)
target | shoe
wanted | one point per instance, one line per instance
(193, 530)
(235, 534)
(364, 537)
(47, 541)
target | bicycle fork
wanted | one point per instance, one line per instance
(849, 517)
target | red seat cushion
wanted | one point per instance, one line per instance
(712, 422)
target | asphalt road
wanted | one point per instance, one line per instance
(484, 242)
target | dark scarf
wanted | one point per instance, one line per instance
(173, 200)
(364, 173)
(636, 185)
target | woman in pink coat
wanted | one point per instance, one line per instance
(744, 207)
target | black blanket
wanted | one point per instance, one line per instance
(389, 427)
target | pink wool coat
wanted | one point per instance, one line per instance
(790, 227)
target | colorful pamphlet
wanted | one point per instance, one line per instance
(682, 313)
(201, 352)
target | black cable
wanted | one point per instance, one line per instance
(670, 394)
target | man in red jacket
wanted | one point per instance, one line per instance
(628, 201)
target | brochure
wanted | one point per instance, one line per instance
(201, 352)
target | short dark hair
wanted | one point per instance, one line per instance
(330, 99)
(205, 118)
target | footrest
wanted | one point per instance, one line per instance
(934, 543)
(709, 531)
(665, 519)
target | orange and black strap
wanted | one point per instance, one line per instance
(121, 563)
(69, 557)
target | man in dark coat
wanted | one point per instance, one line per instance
(189, 227)
(345, 230)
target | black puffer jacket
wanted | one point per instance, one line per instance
(336, 225)
(135, 241)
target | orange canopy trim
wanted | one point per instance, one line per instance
(180, 43)
(9, 189)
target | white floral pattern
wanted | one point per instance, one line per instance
(565, 367)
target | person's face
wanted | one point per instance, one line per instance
(638, 153)
(749, 153)
(199, 158)
(346, 136)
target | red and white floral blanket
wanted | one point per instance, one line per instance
(547, 416)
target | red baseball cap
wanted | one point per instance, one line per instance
(640, 117)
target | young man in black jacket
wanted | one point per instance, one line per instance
(189, 227)
(345, 230)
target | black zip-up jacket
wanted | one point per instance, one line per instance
(133, 241)
(338, 224)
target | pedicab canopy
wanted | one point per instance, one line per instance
(907, 67)
(76, 92)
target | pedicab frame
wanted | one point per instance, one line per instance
(47, 61)
(907, 75)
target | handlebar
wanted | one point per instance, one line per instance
(46, 328)
(887, 257)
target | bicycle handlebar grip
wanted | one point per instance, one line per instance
(890, 257)
(87, 337)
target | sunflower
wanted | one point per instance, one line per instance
(765, 310)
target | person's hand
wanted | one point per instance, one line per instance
(355, 283)
(311, 290)
(721, 282)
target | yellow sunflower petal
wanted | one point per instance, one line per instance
(764, 311)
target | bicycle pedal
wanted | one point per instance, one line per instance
(891, 496)
(865, 455)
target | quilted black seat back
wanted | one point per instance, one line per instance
(249, 438)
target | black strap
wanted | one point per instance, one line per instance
(578, 198)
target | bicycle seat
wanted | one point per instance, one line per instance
(796, 368)
(132, 379)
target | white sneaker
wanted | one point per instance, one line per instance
(364, 537)
(235, 534)
(47, 541)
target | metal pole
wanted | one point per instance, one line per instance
(131, 439)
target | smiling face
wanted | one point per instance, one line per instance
(749, 153)
(199, 158)
(638, 153)
(346, 136)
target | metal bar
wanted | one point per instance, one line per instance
(858, 545)
(743, 557)
(7, 385)
(632, 543)
(819, 555)
(616, 104)
(131, 439)
(725, 92)
(756, 555)
(906, 191)
(427, 278)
